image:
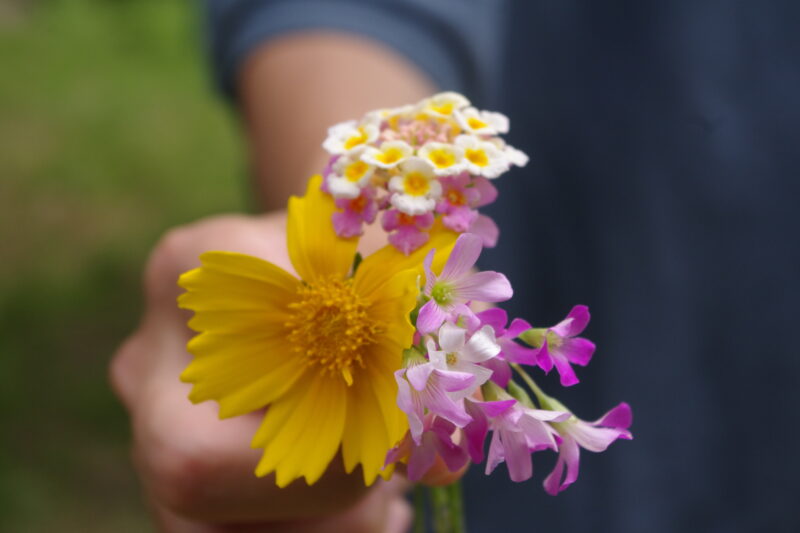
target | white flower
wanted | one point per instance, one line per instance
(388, 113)
(514, 156)
(347, 136)
(446, 159)
(482, 122)
(482, 158)
(457, 354)
(443, 105)
(389, 155)
(416, 188)
(349, 176)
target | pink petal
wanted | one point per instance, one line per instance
(485, 228)
(430, 317)
(460, 219)
(407, 239)
(484, 287)
(475, 432)
(544, 359)
(464, 255)
(620, 416)
(487, 191)
(518, 456)
(576, 322)
(569, 456)
(495, 317)
(430, 277)
(496, 453)
(595, 439)
(513, 352)
(422, 457)
(568, 377)
(437, 402)
(577, 350)
(347, 224)
(517, 326)
(418, 375)
(501, 372)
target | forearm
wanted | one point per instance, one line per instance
(293, 88)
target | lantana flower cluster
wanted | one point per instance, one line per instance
(456, 385)
(415, 163)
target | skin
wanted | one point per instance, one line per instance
(197, 470)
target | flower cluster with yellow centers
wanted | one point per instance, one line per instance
(404, 158)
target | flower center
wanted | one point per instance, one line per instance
(477, 157)
(330, 326)
(452, 358)
(442, 293)
(442, 158)
(390, 156)
(355, 171)
(456, 197)
(355, 140)
(476, 124)
(416, 184)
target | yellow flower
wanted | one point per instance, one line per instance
(319, 351)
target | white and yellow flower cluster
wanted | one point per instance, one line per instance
(405, 150)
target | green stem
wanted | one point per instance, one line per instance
(419, 508)
(457, 507)
(442, 516)
(541, 396)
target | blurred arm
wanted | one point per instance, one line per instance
(294, 87)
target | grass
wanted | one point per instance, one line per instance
(109, 134)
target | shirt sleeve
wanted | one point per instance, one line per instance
(457, 43)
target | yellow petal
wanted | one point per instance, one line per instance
(237, 292)
(389, 261)
(242, 372)
(384, 361)
(230, 280)
(303, 430)
(314, 247)
(365, 439)
(392, 303)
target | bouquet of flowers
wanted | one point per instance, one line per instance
(394, 358)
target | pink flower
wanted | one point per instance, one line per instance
(560, 346)
(409, 231)
(593, 436)
(518, 431)
(457, 285)
(436, 440)
(422, 386)
(356, 211)
(475, 432)
(461, 195)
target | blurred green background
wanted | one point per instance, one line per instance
(110, 133)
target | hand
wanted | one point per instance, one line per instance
(197, 470)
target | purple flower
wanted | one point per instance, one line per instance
(593, 436)
(356, 211)
(519, 431)
(436, 440)
(409, 231)
(475, 432)
(458, 285)
(560, 346)
(422, 386)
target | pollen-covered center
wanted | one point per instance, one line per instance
(331, 326)
(416, 184)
